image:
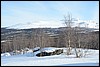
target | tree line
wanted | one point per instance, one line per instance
(39, 38)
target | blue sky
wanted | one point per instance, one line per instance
(14, 12)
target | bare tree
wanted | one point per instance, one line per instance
(78, 36)
(68, 32)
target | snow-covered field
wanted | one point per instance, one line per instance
(29, 59)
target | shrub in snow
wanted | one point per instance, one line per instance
(79, 53)
(16, 52)
(69, 51)
(26, 49)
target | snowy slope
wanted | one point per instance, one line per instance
(92, 59)
(37, 24)
(52, 24)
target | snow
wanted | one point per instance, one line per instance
(36, 48)
(37, 24)
(3, 41)
(5, 54)
(50, 49)
(51, 24)
(29, 59)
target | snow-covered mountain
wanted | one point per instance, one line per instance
(53, 24)
(37, 24)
